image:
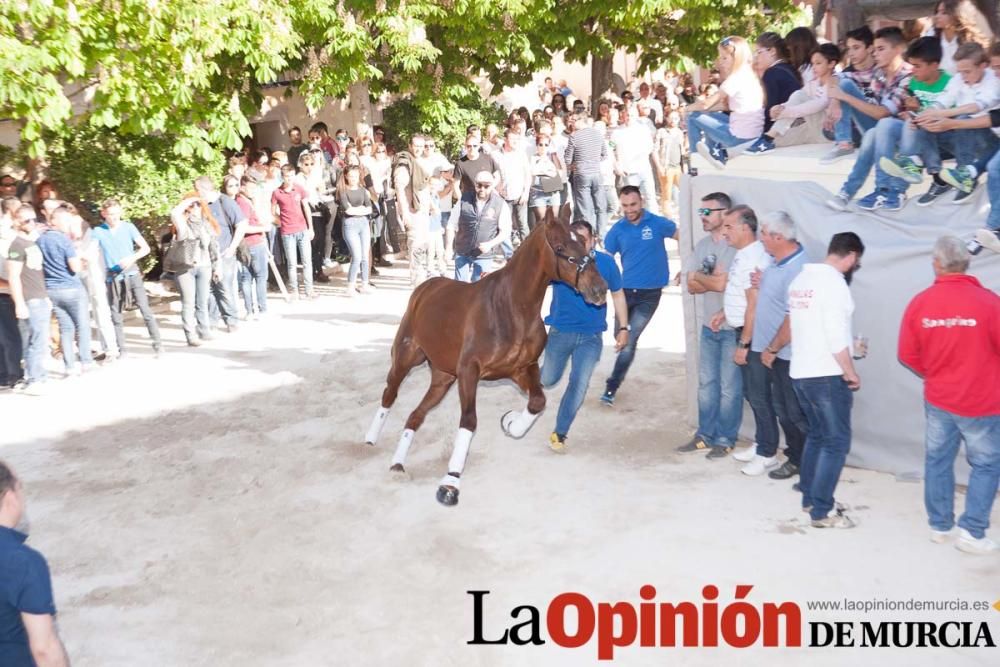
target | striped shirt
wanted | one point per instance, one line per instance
(585, 151)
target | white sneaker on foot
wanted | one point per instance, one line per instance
(746, 455)
(759, 465)
(941, 536)
(971, 545)
(833, 520)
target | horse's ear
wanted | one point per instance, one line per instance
(564, 217)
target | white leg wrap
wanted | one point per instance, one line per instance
(521, 422)
(403, 447)
(460, 452)
(381, 415)
(451, 480)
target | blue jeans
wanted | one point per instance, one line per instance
(993, 189)
(10, 343)
(827, 403)
(880, 141)
(968, 146)
(195, 286)
(358, 234)
(296, 246)
(773, 401)
(714, 125)
(255, 276)
(35, 338)
(470, 269)
(72, 310)
(849, 116)
(642, 303)
(223, 304)
(945, 431)
(585, 351)
(589, 199)
(720, 389)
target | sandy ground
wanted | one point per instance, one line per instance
(217, 507)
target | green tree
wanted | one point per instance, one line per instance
(194, 69)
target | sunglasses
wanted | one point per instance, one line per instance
(542, 144)
(483, 186)
(708, 211)
(381, 150)
(8, 184)
(471, 146)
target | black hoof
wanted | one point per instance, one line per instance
(447, 495)
(397, 467)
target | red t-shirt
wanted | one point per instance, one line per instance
(290, 216)
(950, 334)
(247, 207)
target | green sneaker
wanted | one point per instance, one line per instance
(960, 178)
(903, 167)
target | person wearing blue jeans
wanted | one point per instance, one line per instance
(589, 199)
(296, 245)
(358, 234)
(880, 141)
(222, 305)
(253, 279)
(34, 339)
(638, 238)
(960, 366)
(822, 372)
(575, 335)
(944, 435)
(720, 384)
(71, 307)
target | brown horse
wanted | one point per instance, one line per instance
(487, 330)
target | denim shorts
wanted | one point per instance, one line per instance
(537, 198)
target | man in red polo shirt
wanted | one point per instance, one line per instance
(291, 207)
(950, 336)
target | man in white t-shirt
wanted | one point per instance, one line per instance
(634, 146)
(739, 228)
(822, 372)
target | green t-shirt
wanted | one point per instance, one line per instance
(927, 93)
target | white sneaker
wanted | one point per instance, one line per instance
(941, 536)
(970, 545)
(759, 465)
(835, 519)
(746, 455)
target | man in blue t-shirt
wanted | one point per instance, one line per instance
(123, 247)
(638, 237)
(575, 332)
(28, 635)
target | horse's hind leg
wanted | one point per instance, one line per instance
(516, 424)
(440, 384)
(405, 356)
(468, 382)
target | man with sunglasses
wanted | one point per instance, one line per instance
(720, 385)
(32, 307)
(478, 224)
(576, 335)
(470, 164)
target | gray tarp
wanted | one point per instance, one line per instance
(888, 417)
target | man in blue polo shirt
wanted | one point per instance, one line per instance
(638, 237)
(123, 247)
(576, 331)
(768, 385)
(28, 634)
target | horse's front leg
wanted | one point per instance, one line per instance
(468, 382)
(516, 424)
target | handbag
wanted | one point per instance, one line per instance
(243, 254)
(182, 255)
(550, 184)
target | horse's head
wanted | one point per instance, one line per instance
(574, 263)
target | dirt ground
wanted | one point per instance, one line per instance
(217, 507)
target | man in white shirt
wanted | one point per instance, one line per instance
(515, 174)
(739, 228)
(822, 371)
(634, 147)
(478, 224)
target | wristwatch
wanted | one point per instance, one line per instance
(743, 346)
(627, 327)
(771, 350)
